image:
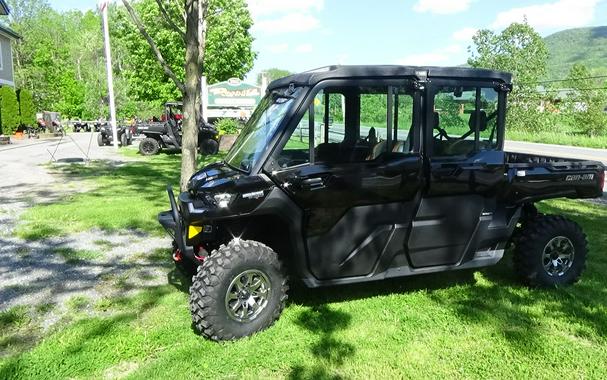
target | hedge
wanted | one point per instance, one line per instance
(9, 110)
(26, 108)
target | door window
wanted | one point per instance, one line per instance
(464, 120)
(352, 124)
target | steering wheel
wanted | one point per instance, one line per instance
(442, 134)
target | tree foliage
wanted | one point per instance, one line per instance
(273, 74)
(27, 112)
(228, 50)
(9, 110)
(586, 101)
(520, 50)
(60, 59)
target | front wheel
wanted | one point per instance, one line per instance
(551, 250)
(239, 290)
(100, 141)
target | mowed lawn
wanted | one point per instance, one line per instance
(466, 324)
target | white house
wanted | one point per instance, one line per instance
(7, 36)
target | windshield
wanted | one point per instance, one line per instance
(256, 135)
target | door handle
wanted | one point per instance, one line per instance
(313, 183)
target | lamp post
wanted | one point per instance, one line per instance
(103, 6)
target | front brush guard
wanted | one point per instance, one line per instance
(171, 221)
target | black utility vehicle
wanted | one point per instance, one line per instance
(166, 134)
(81, 126)
(105, 136)
(409, 178)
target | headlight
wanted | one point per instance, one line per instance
(223, 199)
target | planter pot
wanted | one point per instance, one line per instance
(226, 142)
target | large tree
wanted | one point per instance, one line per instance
(586, 100)
(201, 26)
(227, 46)
(520, 50)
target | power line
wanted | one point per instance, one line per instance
(567, 90)
(566, 79)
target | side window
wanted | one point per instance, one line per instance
(456, 120)
(351, 125)
(358, 128)
(403, 141)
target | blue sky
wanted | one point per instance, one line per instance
(302, 34)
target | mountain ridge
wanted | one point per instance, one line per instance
(578, 45)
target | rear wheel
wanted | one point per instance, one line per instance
(239, 289)
(124, 141)
(100, 141)
(148, 146)
(551, 250)
(208, 146)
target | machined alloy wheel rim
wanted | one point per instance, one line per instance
(558, 255)
(247, 295)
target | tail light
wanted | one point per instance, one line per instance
(602, 180)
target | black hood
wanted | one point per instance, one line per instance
(213, 177)
(219, 178)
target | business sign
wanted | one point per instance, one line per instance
(233, 93)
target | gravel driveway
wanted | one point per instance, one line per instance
(33, 273)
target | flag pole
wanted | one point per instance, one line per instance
(103, 5)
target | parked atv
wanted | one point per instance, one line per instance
(82, 126)
(105, 136)
(298, 197)
(167, 134)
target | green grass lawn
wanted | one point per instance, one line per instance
(467, 324)
(116, 198)
(558, 138)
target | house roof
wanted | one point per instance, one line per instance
(5, 30)
(4, 8)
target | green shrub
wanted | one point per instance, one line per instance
(9, 110)
(228, 126)
(26, 108)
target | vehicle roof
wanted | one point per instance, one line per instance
(312, 77)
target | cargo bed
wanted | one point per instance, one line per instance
(535, 177)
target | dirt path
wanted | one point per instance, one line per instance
(57, 271)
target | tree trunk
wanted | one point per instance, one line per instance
(192, 80)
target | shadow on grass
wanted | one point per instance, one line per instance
(328, 350)
(522, 315)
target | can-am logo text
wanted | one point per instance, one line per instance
(579, 177)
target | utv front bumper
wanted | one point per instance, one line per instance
(172, 222)
(189, 238)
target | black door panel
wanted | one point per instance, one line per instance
(354, 244)
(345, 204)
(442, 229)
(345, 186)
